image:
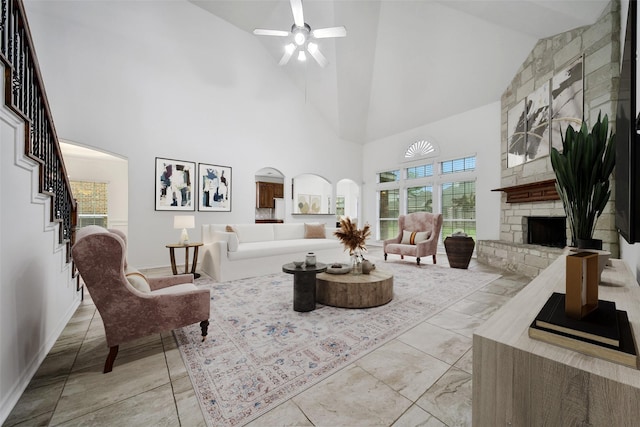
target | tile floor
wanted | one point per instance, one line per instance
(422, 378)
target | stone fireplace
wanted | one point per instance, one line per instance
(528, 189)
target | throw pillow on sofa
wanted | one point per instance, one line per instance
(314, 231)
(414, 237)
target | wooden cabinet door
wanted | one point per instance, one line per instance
(278, 191)
(264, 195)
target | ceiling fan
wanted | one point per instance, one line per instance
(303, 37)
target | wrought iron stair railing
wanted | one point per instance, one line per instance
(25, 95)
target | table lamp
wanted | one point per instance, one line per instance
(184, 222)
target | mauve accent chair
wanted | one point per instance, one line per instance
(127, 313)
(418, 222)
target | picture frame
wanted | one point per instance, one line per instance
(516, 134)
(567, 101)
(538, 114)
(302, 204)
(214, 188)
(315, 202)
(174, 185)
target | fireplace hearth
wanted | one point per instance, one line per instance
(547, 231)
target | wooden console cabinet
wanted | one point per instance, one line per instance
(519, 381)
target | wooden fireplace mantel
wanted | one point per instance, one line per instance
(533, 192)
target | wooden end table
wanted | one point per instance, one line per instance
(195, 245)
(304, 284)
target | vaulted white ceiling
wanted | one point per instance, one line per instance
(405, 63)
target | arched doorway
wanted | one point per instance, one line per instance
(100, 182)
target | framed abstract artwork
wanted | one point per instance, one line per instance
(215, 188)
(538, 123)
(516, 135)
(174, 184)
(315, 202)
(567, 101)
(303, 204)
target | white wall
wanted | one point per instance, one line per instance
(147, 79)
(37, 294)
(473, 132)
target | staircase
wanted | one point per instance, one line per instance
(25, 96)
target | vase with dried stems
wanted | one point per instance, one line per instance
(355, 240)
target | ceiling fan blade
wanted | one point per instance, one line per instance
(288, 52)
(317, 55)
(298, 16)
(278, 33)
(323, 33)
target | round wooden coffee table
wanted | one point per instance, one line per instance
(354, 291)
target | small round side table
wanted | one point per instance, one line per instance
(195, 246)
(304, 284)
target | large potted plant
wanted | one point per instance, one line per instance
(582, 178)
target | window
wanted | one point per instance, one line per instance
(389, 176)
(428, 184)
(419, 149)
(420, 199)
(340, 205)
(459, 165)
(421, 171)
(92, 202)
(388, 212)
(459, 207)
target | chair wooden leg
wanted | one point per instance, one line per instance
(434, 259)
(418, 260)
(204, 326)
(401, 256)
(385, 256)
(108, 365)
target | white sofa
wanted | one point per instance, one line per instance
(257, 249)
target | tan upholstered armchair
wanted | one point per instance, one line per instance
(131, 305)
(418, 235)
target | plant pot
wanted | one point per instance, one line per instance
(459, 251)
(589, 244)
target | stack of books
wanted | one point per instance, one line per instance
(604, 333)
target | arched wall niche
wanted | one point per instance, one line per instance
(347, 199)
(311, 194)
(270, 206)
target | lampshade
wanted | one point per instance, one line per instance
(184, 221)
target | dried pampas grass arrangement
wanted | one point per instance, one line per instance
(351, 237)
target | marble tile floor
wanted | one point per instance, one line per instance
(421, 378)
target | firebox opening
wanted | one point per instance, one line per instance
(547, 231)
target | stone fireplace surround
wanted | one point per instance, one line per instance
(599, 44)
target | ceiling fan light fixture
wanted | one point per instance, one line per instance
(303, 37)
(299, 38)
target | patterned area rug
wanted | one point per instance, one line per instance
(259, 352)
